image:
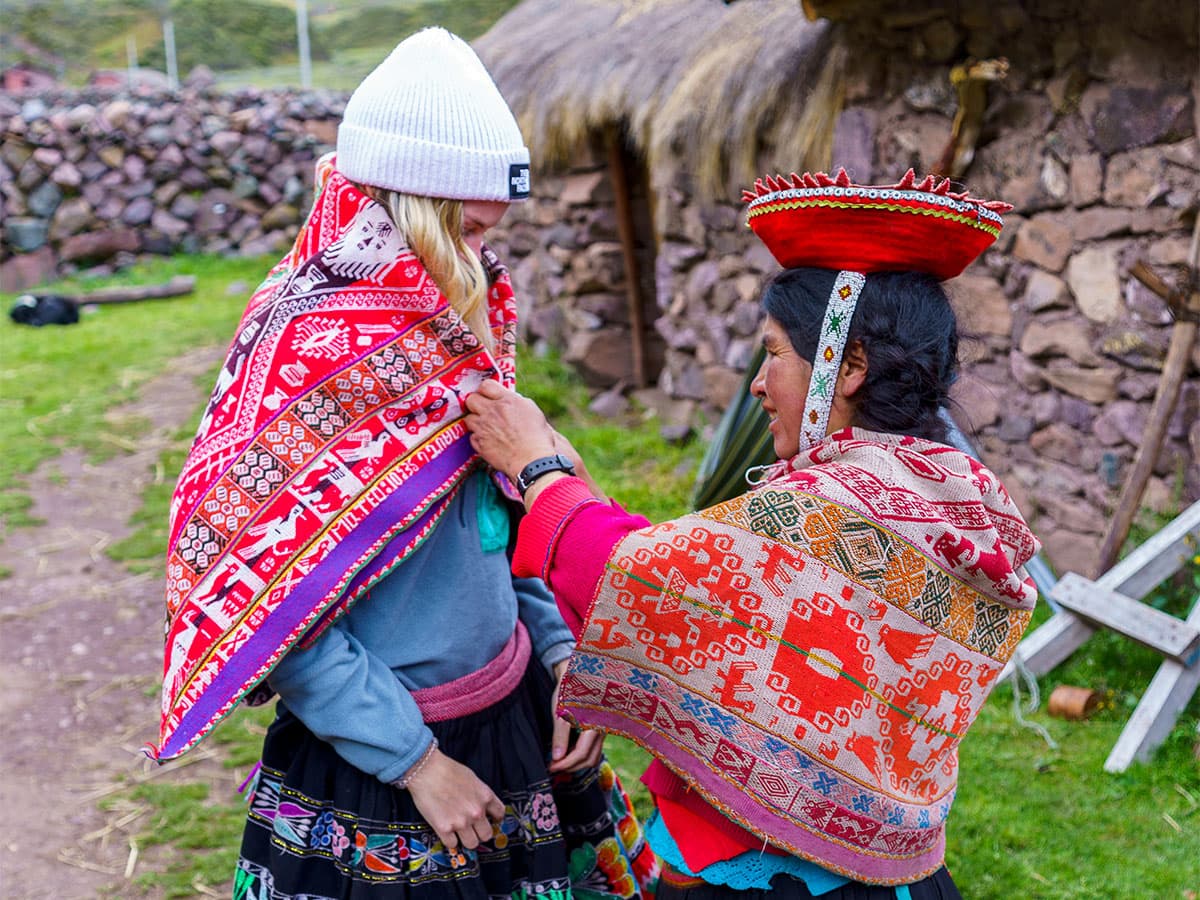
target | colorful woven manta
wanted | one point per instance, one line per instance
(331, 446)
(809, 655)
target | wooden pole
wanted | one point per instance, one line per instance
(628, 235)
(177, 286)
(1183, 336)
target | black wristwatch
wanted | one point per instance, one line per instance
(543, 465)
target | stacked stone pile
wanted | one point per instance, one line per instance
(92, 178)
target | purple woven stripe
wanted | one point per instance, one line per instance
(312, 593)
(780, 829)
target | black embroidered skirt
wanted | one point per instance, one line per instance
(318, 828)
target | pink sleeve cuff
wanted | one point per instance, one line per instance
(540, 526)
(566, 539)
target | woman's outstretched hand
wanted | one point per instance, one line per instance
(508, 430)
(460, 808)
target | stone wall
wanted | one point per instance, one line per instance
(1092, 136)
(93, 179)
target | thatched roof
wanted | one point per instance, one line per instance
(724, 91)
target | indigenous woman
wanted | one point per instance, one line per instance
(804, 659)
(335, 540)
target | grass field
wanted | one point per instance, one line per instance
(1029, 821)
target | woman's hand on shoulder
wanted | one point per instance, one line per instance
(461, 809)
(507, 430)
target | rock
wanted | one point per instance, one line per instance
(1015, 429)
(26, 270)
(26, 233)
(73, 216)
(1120, 118)
(112, 156)
(610, 404)
(1070, 551)
(853, 138)
(1095, 385)
(185, 207)
(602, 356)
(976, 400)
(44, 199)
(225, 143)
(47, 158)
(1065, 337)
(1044, 291)
(1046, 408)
(587, 189)
(1073, 513)
(1087, 179)
(67, 176)
(982, 306)
(280, 216)
(721, 386)
(1025, 372)
(1169, 251)
(99, 245)
(1092, 275)
(1187, 411)
(168, 225)
(1122, 421)
(1100, 222)
(1057, 441)
(1044, 241)
(1137, 349)
(1132, 179)
(1054, 179)
(701, 280)
(139, 211)
(1079, 414)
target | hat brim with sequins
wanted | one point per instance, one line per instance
(830, 223)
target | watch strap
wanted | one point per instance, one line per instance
(543, 465)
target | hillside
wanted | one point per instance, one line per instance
(243, 41)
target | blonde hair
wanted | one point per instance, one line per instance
(433, 227)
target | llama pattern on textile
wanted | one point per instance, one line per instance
(806, 657)
(331, 445)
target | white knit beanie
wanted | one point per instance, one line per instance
(430, 121)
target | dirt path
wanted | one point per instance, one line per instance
(80, 657)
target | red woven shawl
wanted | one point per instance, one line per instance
(807, 656)
(331, 445)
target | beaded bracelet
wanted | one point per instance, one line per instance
(415, 769)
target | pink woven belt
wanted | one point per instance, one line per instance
(479, 689)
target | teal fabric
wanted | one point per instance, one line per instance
(492, 518)
(751, 869)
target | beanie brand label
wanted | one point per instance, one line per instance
(518, 181)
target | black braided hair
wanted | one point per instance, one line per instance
(909, 334)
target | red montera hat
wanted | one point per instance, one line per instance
(830, 223)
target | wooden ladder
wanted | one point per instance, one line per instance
(1113, 601)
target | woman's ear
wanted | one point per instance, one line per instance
(852, 374)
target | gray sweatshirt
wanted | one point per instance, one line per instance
(445, 612)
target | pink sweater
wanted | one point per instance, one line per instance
(566, 540)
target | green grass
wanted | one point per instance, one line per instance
(58, 382)
(1029, 822)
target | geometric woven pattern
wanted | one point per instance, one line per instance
(809, 661)
(331, 444)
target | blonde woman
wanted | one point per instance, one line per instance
(336, 541)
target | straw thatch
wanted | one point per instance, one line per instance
(726, 92)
